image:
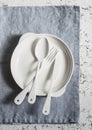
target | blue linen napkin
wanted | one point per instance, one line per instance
(62, 21)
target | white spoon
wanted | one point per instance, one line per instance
(41, 52)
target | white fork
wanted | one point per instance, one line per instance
(46, 62)
(46, 107)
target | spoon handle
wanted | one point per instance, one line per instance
(20, 97)
(32, 94)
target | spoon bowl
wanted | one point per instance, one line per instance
(41, 49)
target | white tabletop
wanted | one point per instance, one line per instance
(85, 64)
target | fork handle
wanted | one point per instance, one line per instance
(46, 108)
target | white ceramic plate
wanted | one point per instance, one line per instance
(23, 60)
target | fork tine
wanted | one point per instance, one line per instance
(53, 57)
(50, 57)
(50, 54)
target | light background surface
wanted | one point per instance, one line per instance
(85, 64)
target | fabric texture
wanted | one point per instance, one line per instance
(62, 21)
